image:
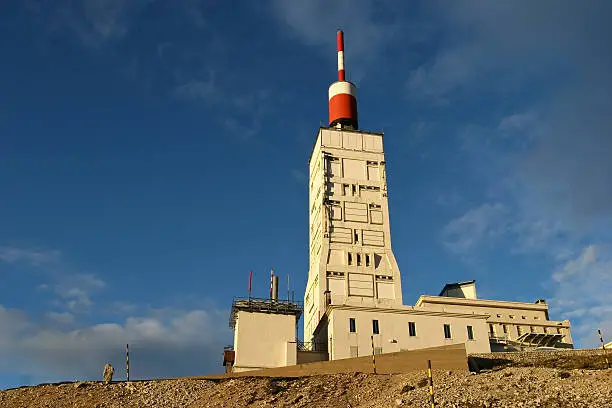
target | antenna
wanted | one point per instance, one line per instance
(340, 41)
(250, 283)
(342, 95)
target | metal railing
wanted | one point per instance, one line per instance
(311, 346)
(264, 306)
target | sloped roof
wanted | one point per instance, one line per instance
(456, 285)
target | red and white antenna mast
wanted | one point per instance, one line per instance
(342, 95)
(340, 41)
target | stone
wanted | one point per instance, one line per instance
(408, 388)
(399, 401)
(108, 373)
(564, 374)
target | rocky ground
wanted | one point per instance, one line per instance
(569, 380)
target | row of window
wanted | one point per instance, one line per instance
(350, 190)
(520, 331)
(411, 329)
(522, 317)
(356, 258)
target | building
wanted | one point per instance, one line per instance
(510, 325)
(353, 299)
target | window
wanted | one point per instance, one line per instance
(519, 330)
(375, 329)
(505, 329)
(447, 331)
(350, 258)
(352, 326)
(512, 316)
(411, 329)
(367, 257)
(354, 351)
(491, 330)
(377, 350)
(356, 235)
(531, 329)
(358, 259)
(470, 333)
(498, 315)
(523, 317)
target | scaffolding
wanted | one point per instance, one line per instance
(272, 306)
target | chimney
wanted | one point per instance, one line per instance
(275, 288)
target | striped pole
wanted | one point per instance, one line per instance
(430, 380)
(127, 361)
(603, 346)
(373, 355)
(340, 41)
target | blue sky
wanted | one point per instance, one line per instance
(152, 153)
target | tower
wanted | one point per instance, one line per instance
(351, 261)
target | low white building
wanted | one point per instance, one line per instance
(510, 325)
(264, 333)
(352, 331)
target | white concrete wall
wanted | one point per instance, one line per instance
(394, 326)
(263, 340)
(350, 235)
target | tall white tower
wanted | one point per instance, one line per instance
(351, 261)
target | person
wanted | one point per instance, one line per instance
(108, 373)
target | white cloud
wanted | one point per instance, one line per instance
(74, 290)
(583, 292)
(517, 123)
(450, 70)
(61, 318)
(577, 266)
(200, 89)
(163, 343)
(371, 29)
(475, 227)
(313, 21)
(93, 22)
(34, 257)
(299, 176)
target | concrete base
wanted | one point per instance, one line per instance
(453, 357)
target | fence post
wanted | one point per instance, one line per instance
(127, 361)
(373, 355)
(430, 380)
(603, 346)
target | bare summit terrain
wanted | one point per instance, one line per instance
(553, 379)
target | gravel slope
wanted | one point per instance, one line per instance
(517, 381)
